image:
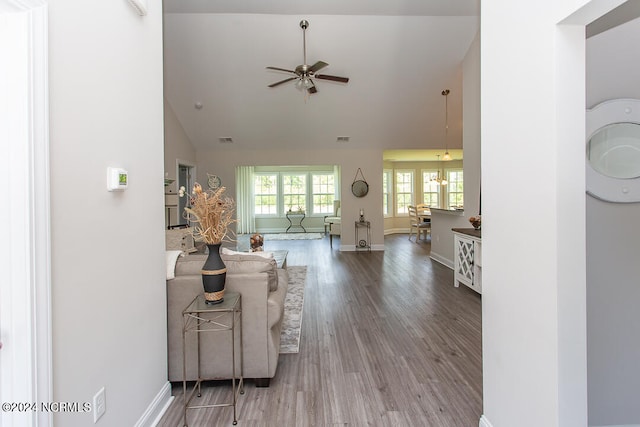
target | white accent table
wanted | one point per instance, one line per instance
(467, 258)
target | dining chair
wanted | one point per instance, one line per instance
(418, 224)
(423, 209)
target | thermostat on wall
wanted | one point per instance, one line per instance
(117, 179)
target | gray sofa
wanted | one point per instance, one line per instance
(263, 287)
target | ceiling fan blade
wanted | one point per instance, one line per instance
(317, 66)
(281, 69)
(282, 81)
(333, 78)
(312, 88)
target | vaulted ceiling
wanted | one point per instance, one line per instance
(398, 55)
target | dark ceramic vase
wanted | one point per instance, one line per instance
(214, 275)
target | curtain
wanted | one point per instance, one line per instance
(338, 180)
(244, 200)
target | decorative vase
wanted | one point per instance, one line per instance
(214, 275)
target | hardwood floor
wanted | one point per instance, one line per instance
(386, 341)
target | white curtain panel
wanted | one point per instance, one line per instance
(244, 200)
(336, 173)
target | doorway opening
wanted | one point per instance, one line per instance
(186, 173)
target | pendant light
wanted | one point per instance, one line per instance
(441, 181)
(446, 156)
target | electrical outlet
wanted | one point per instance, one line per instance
(99, 405)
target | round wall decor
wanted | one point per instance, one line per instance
(359, 188)
(613, 151)
(213, 181)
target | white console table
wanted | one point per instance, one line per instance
(468, 258)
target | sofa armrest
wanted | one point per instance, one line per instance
(261, 321)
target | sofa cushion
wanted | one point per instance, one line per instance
(245, 262)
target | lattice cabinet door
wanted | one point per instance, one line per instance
(463, 261)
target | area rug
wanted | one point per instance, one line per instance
(293, 304)
(293, 236)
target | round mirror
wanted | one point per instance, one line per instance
(359, 188)
(614, 150)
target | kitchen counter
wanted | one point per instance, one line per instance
(469, 232)
(448, 211)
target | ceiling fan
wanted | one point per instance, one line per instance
(304, 74)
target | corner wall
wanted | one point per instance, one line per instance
(533, 294)
(108, 257)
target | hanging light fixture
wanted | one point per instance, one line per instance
(441, 181)
(446, 156)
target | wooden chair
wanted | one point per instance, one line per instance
(423, 209)
(418, 224)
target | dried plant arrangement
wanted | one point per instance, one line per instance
(212, 211)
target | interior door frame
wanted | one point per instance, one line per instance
(188, 185)
(25, 258)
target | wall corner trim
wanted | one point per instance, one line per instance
(157, 407)
(484, 422)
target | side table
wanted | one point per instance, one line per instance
(200, 317)
(363, 242)
(301, 215)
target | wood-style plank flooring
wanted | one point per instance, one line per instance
(387, 340)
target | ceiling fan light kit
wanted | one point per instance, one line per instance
(304, 73)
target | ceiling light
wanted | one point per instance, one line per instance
(437, 178)
(446, 156)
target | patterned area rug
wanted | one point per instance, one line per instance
(293, 305)
(293, 236)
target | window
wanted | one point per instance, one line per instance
(404, 191)
(265, 189)
(387, 193)
(294, 192)
(322, 192)
(430, 188)
(455, 193)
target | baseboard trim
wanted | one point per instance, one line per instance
(484, 422)
(352, 248)
(396, 231)
(442, 260)
(294, 229)
(156, 409)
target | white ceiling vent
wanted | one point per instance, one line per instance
(343, 139)
(225, 140)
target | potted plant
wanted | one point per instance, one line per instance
(213, 213)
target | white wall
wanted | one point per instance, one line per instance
(177, 146)
(441, 234)
(223, 163)
(533, 205)
(471, 128)
(613, 294)
(108, 280)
